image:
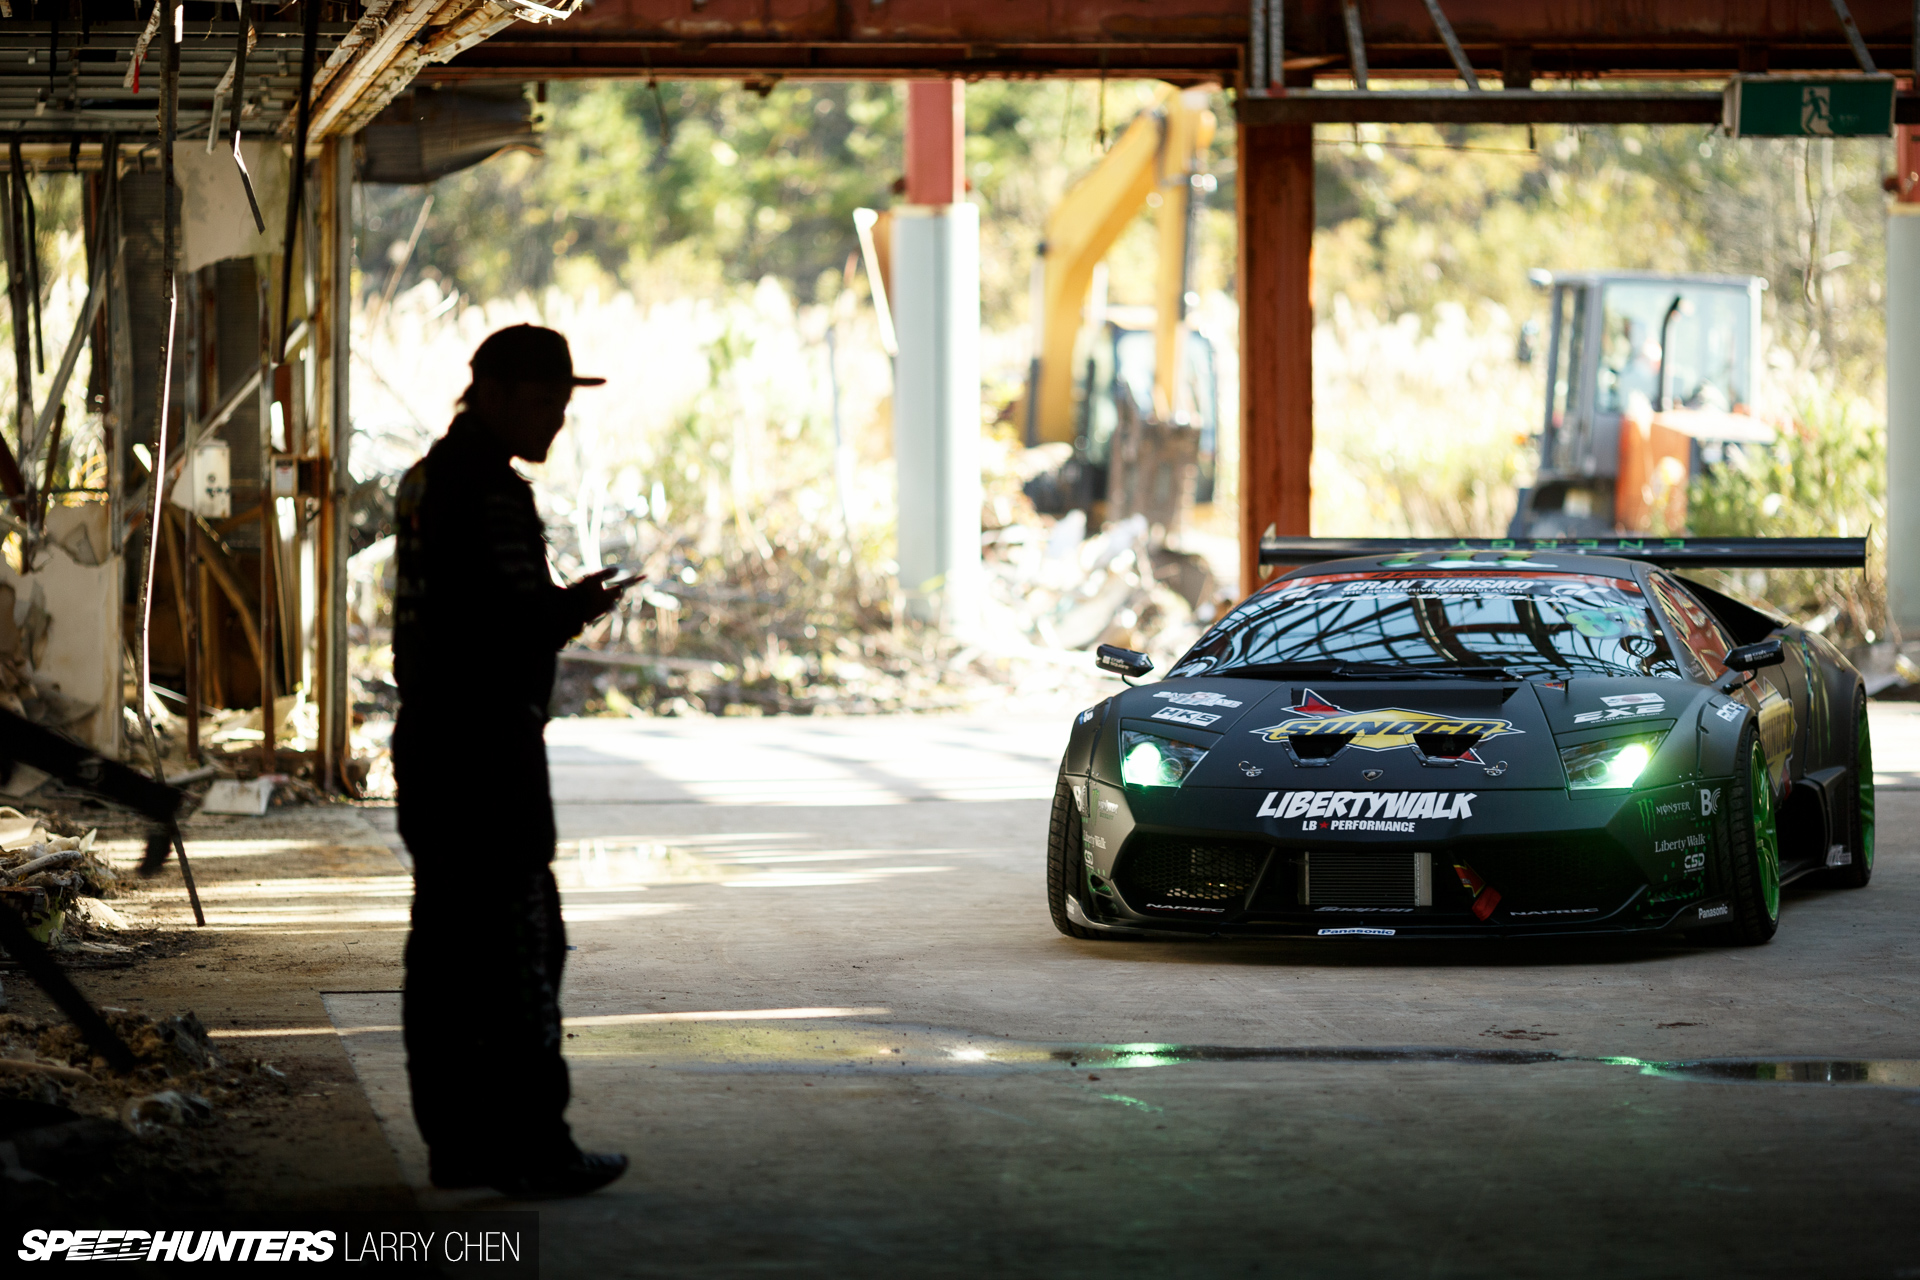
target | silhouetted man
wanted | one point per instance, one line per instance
(477, 622)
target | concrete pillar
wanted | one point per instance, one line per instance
(1275, 183)
(936, 397)
(1903, 388)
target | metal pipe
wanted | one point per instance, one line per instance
(330, 666)
(1276, 45)
(1257, 49)
(309, 45)
(169, 228)
(1454, 50)
(1356, 42)
(1860, 54)
(18, 305)
(269, 529)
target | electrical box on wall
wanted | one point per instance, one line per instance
(205, 487)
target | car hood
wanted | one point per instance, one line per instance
(1385, 734)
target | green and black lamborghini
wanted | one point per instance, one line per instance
(1473, 738)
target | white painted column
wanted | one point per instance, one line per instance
(936, 409)
(1903, 416)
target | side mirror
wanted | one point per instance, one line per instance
(1127, 662)
(1770, 652)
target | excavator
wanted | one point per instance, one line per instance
(1650, 380)
(1133, 390)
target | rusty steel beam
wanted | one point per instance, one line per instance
(1276, 337)
(1183, 39)
(1510, 107)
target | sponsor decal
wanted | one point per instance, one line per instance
(1365, 810)
(1181, 906)
(1709, 801)
(106, 1245)
(1675, 846)
(1370, 910)
(1096, 842)
(1709, 913)
(1695, 862)
(1672, 807)
(1381, 729)
(1730, 712)
(1356, 930)
(1087, 714)
(1080, 798)
(1181, 715)
(1452, 587)
(1485, 897)
(1624, 706)
(1558, 911)
(1839, 856)
(1108, 808)
(1198, 698)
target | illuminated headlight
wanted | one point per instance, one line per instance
(1149, 760)
(1612, 763)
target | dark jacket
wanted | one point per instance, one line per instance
(477, 615)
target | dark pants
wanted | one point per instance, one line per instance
(482, 1006)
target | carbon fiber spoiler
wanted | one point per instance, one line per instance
(1672, 553)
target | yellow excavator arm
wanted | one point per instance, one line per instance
(1156, 152)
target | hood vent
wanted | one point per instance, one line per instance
(1445, 746)
(1317, 746)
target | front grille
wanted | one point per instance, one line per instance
(1359, 879)
(1182, 876)
(1571, 874)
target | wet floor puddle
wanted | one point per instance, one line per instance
(863, 1048)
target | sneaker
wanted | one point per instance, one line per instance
(587, 1171)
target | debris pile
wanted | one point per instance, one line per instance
(813, 629)
(73, 1132)
(49, 878)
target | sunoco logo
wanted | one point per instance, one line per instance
(1384, 729)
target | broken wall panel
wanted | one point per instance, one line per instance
(236, 338)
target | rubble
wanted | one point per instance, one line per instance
(73, 1132)
(45, 875)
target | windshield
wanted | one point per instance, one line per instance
(1707, 339)
(1518, 624)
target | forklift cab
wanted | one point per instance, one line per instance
(1625, 346)
(1117, 379)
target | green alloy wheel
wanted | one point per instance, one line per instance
(1857, 828)
(1750, 857)
(1064, 859)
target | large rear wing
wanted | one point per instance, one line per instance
(1672, 553)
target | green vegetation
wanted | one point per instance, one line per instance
(1826, 477)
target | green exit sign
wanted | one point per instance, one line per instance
(1810, 107)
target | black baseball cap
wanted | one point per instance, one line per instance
(528, 353)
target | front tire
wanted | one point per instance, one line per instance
(1750, 857)
(1857, 808)
(1064, 859)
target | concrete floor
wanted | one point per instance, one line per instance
(817, 997)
